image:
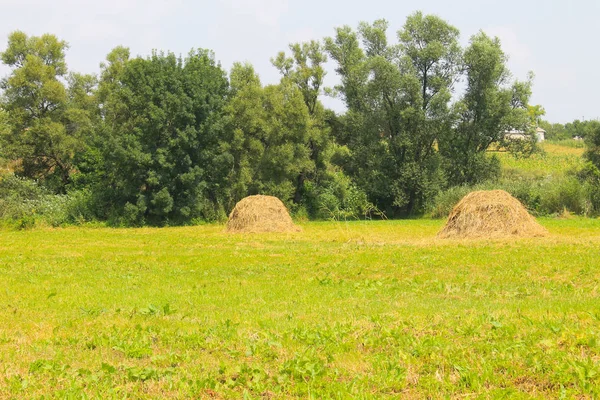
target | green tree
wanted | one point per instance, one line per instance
(4, 130)
(581, 128)
(592, 142)
(535, 114)
(304, 69)
(488, 108)
(104, 110)
(269, 130)
(431, 45)
(159, 157)
(554, 131)
(42, 135)
(397, 98)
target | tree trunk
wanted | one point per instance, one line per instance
(299, 187)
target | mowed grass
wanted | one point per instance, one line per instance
(341, 310)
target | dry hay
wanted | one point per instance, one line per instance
(490, 214)
(260, 214)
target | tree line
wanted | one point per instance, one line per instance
(166, 139)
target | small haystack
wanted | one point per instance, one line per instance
(260, 214)
(490, 214)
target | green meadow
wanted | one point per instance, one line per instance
(555, 159)
(366, 309)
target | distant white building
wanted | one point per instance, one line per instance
(540, 134)
(515, 134)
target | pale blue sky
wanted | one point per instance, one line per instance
(554, 39)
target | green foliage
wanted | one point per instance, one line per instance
(279, 138)
(577, 128)
(581, 128)
(269, 132)
(167, 140)
(548, 197)
(535, 113)
(589, 175)
(592, 143)
(486, 111)
(431, 46)
(304, 70)
(397, 99)
(554, 132)
(566, 193)
(43, 134)
(336, 197)
(157, 156)
(24, 204)
(4, 130)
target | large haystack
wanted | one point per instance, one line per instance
(490, 214)
(260, 214)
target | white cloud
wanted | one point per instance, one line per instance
(265, 12)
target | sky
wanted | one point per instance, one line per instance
(554, 39)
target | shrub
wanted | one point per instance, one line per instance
(590, 176)
(337, 197)
(549, 196)
(444, 202)
(24, 203)
(564, 193)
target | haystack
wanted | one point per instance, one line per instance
(490, 214)
(260, 214)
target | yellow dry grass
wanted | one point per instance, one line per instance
(260, 214)
(490, 214)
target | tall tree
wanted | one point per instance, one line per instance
(37, 102)
(489, 107)
(304, 69)
(269, 130)
(397, 98)
(431, 45)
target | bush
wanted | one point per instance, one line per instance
(550, 196)
(564, 193)
(522, 148)
(590, 176)
(442, 204)
(24, 203)
(337, 197)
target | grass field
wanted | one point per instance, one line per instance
(341, 310)
(555, 160)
